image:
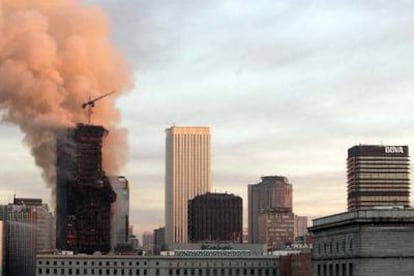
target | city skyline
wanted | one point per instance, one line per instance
(286, 88)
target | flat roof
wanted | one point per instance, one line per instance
(382, 214)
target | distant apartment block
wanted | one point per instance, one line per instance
(188, 174)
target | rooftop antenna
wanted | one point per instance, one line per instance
(91, 103)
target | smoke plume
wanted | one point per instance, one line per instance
(54, 54)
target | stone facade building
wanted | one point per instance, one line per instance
(376, 242)
(186, 264)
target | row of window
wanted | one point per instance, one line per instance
(325, 248)
(92, 263)
(178, 271)
(338, 269)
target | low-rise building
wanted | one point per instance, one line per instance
(374, 242)
(156, 265)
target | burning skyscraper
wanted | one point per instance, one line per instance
(84, 194)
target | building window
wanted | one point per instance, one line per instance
(39, 271)
(337, 269)
(157, 271)
(343, 269)
(350, 245)
(319, 270)
(351, 270)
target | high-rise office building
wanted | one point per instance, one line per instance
(272, 195)
(119, 212)
(19, 239)
(44, 222)
(215, 217)
(378, 176)
(187, 175)
(84, 194)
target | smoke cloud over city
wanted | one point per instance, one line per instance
(54, 55)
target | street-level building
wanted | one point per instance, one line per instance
(375, 242)
(185, 264)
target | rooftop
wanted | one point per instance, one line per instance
(380, 215)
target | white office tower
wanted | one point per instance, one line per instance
(188, 174)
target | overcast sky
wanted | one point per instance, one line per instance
(285, 86)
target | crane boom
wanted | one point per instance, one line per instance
(91, 103)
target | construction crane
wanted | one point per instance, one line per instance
(91, 103)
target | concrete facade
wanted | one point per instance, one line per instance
(364, 243)
(157, 265)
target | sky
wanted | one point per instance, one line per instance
(285, 86)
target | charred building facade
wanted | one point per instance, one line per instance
(84, 194)
(378, 176)
(215, 216)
